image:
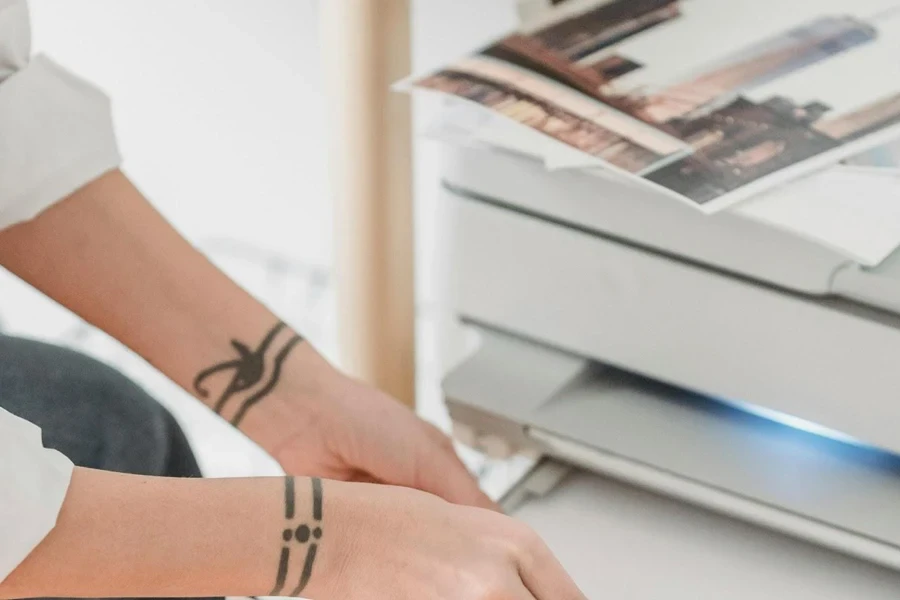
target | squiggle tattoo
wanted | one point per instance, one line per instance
(306, 534)
(249, 370)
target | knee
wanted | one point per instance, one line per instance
(88, 411)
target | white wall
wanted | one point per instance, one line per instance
(218, 107)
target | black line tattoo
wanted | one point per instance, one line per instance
(304, 534)
(317, 499)
(307, 571)
(273, 381)
(283, 564)
(289, 498)
(249, 370)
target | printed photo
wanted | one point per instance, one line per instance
(632, 82)
(572, 119)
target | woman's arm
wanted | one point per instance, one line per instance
(128, 536)
(106, 254)
(109, 256)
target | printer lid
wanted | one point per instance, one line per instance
(730, 242)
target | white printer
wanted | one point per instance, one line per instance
(715, 403)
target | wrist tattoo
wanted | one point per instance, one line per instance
(307, 533)
(255, 373)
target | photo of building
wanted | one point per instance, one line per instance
(614, 66)
(587, 78)
(750, 141)
(546, 117)
(759, 64)
(866, 120)
(578, 37)
(557, 52)
(530, 54)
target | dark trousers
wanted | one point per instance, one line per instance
(90, 412)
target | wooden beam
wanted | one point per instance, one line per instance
(366, 44)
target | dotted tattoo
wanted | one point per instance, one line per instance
(302, 535)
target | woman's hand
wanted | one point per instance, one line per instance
(337, 428)
(406, 545)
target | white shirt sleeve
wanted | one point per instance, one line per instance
(56, 135)
(56, 130)
(33, 485)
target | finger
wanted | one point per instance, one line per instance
(442, 473)
(424, 461)
(446, 444)
(520, 592)
(437, 435)
(482, 500)
(363, 477)
(545, 577)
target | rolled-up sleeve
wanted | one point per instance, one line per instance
(33, 485)
(56, 130)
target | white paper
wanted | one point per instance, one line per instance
(853, 210)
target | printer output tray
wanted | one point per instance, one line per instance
(831, 493)
(617, 541)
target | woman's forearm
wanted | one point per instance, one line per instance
(131, 536)
(127, 536)
(109, 256)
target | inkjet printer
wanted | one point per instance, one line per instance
(712, 405)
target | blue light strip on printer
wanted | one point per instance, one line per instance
(796, 423)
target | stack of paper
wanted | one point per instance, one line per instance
(749, 106)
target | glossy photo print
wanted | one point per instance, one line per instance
(710, 102)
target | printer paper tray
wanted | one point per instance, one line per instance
(681, 446)
(618, 541)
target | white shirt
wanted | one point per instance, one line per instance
(56, 135)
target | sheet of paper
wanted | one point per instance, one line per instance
(707, 102)
(854, 210)
(464, 123)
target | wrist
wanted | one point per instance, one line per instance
(361, 522)
(245, 381)
(316, 544)
(354, 517)
(295, 405)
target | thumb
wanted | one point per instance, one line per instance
(424, 459)
(439, 471)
